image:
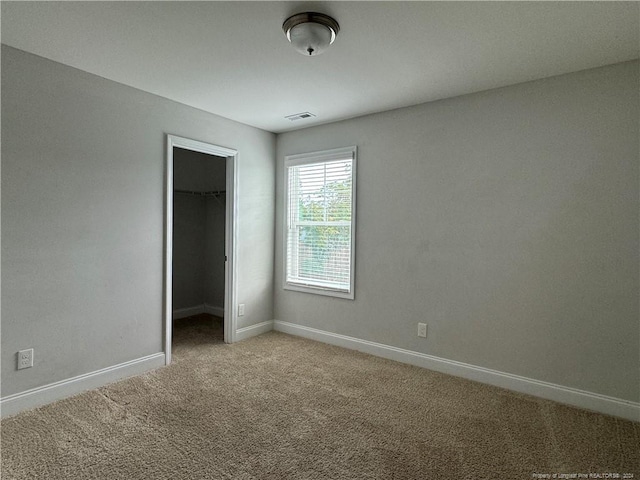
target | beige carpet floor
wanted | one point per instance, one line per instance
(282, 407)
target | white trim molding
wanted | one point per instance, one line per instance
(290, 254)
(188, 311)
(197, 310)
(212, 310)
(39, 396)
(572, 396)
(231, 155)
(253, 330)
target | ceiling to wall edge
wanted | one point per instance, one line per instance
(436, 100)
(329, 121)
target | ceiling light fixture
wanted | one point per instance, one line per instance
(310, 33)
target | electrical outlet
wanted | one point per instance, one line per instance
(25, 359)
(241, 310)
(422, 329)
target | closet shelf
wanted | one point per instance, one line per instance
(214, 193)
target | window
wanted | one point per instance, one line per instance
(320, 222)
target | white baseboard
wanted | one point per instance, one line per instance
(39, 396)
(253, 330)
(550, 391)
(217, 311)
(197, 310)
(188, 312)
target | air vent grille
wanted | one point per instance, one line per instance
(300, 116)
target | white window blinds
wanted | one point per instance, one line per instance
(320, 222)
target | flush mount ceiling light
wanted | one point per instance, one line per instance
(310, 33)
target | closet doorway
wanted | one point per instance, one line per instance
(199, 234)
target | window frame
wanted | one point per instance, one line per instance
(306, 159)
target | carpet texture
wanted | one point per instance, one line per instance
(282, 407)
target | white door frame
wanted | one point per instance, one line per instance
(230, 319)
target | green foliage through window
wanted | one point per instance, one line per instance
(319, 225)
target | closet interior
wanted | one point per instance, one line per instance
(199, 200)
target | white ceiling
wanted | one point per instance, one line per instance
(232, 58)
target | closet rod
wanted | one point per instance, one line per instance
(215, 193)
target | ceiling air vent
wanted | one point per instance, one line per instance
(300, 116)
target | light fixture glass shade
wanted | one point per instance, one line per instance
(310, 38)
(310, 33)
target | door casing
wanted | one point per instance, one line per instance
(231, 155)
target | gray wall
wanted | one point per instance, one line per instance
(214, 257)
(507, 220)
(198, 171)
(82, 217)
(198, 233)
(189, 251)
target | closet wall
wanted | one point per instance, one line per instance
(198, 233)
